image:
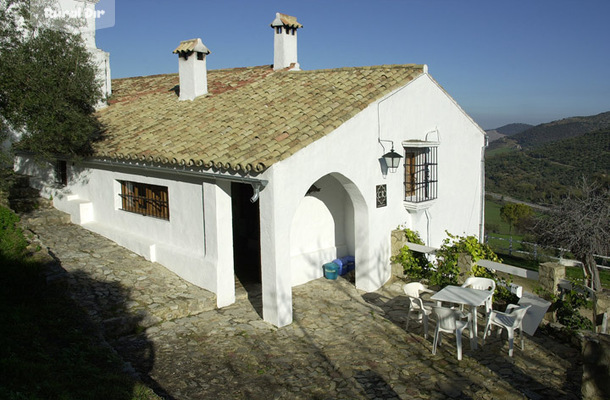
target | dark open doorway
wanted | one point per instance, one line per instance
(246, 234)
(246, 246)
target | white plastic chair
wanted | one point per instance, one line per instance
(450, 320)
(414, 289)
(416, 304)
(482, 284)
(511, 320)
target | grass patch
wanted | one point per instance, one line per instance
(499, 151)
(501, 243)
(493, 221)
(577, 274)
(572, 273)
(49, 349)
(520, 262)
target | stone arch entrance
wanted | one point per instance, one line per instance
(325, 226)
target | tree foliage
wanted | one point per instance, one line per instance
(48, 87)
(566, 128)
(12, 242)
(514, 213)
(549, 172)
(580, 223)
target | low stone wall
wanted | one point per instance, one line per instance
(465, 265)
(549, 276)
(398, 240)
(596, 366)
(603, 306)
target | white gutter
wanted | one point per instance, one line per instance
(428, 218)
(482, 221)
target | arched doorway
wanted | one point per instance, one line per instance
(325, 226)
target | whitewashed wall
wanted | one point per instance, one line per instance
(351, 155)
(92, 199)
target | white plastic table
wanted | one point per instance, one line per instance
(467, 296)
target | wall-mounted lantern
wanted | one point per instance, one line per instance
(392, 159)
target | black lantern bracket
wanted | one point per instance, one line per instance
(391, 158)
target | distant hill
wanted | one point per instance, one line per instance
(506, 130)
(501, 144)
(561, 129)
(513, 129)
(548, 172)
(493, 135)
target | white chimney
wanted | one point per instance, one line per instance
(192, 68)
(285, 42)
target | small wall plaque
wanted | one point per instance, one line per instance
(382, 198)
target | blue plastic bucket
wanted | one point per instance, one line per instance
(330, 270)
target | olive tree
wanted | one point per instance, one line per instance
(580, 223)
(48, 87)
(514, 213)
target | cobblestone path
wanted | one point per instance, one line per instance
(343, 343)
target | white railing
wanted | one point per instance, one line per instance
(509, 269)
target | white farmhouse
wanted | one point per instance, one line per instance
(273, 171)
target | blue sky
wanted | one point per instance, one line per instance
(503, 61)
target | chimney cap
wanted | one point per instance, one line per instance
(285, 20)
(191, 45)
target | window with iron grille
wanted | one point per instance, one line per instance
(420, 174)
(144, 199)
(61, 172)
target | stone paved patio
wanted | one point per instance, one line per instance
(343, 343)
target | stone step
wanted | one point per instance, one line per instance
(44, 216)
(24, 198)
(22, 204)
(137, 318)
(26, 205)
(120, 290)
(21, 181)
(24, 192)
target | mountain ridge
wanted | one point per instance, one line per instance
(562, 129)
(548, 165)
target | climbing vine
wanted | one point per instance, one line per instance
(415, 265)
(447, 270)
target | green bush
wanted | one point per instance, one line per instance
(448, 270)
(12, 242)
(567, 309)
(415, 264)
(567, 306)
(502, 295)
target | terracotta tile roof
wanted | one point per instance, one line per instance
(250, 119)
(191, 45)
(286, 20)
